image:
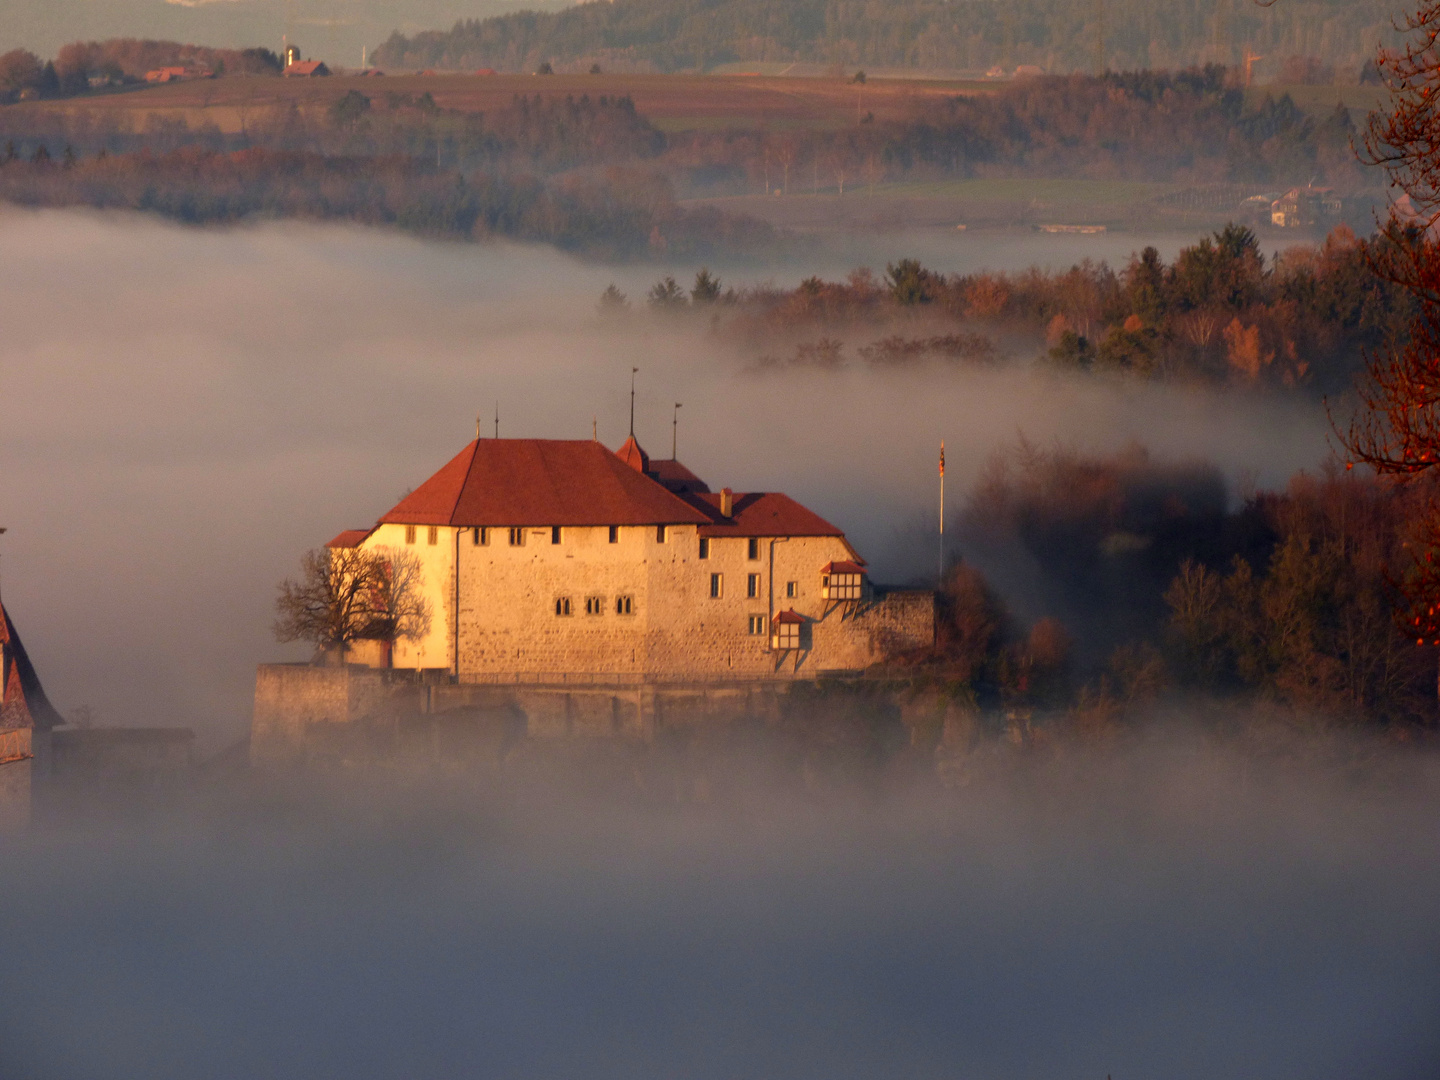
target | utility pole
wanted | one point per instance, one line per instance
(941, 579)
(1099, 37)
(675, 432)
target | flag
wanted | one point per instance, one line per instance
(942, 457)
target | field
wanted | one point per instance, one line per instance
(814, 204)
(671, 102)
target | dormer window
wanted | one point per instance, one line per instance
(785, 631)
(841, 581)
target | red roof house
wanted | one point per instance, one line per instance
(23, 704)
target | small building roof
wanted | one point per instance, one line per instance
(23, 703)
(350, 538)
(790, 616)
(842, 568)
(499, 482)
(307, 67)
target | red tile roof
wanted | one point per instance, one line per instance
(842, 568)
(24, 702)
(763, 513)
(676, 477)
(350, 538)
(633, 454)
(307, 67)
(790, 616)
(498, 482)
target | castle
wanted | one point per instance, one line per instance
(550, 560)
(578, 591)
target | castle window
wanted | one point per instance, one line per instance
(659, 534)
(752, 586)
(614, 534)
(517, 536)
(704, 547)
(623, 605)
(717, 586)
(554, 534)
(562, 605)
(432, 535)
(594, 605)
(481, 538)
(752, 548)
(409, 534)
(792, 590)
(756, 625)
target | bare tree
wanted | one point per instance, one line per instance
(785, 153)
(401, 610)
(352, 594)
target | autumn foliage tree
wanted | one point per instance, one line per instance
(1397, 429)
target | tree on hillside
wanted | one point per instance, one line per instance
(1397, 430)
(706, 289)
(345, 595)
(347, 111)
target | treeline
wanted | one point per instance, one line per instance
(1191, 126)
(616, 213)
(1151, 588)
(536, 134)
(681, 35)
(1188, 126)
(1220, 313)
(85, 65)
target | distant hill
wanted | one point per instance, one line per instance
(1320, 40)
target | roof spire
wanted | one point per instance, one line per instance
(633, 370)
(674, 431)
(497, 419)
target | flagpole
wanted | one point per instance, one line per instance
(942, 512)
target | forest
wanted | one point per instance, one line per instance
(683, 35)
(1220, 314)
(1160, 593)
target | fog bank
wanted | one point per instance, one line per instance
(1177, 908)
(183, 412)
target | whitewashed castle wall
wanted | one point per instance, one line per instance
(675, 628)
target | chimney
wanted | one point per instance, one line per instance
(727, 501)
